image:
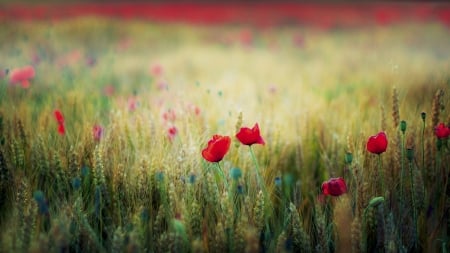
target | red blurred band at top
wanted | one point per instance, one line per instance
(269, 13)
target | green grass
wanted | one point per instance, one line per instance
(137, 191)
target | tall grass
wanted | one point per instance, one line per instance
(138, 190)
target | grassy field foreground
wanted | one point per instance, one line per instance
(102, 152)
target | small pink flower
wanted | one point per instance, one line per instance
(298, 40)
(246, 37)
(97, 132)
(3, 73)
(272, 89)
(22, 76)
(132, 104)
(169, 115)
(172, 132)
(163, 85)
(156, 70)
(108, 90)
(195, 109)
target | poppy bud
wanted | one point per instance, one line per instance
(159, 176)
(348, 157)
(76, 183)
(192, 178)
(240, 189)
(410, 154)
(376, 201)
(403, 126)
(278, 181)
(423, 115)
(235, 173)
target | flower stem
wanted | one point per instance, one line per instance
(413, 203)
(403, 168)
(222, 175)
(423, 145)
(380, 171)
(258, 174)
(262, 186)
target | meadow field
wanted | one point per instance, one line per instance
(105, 126)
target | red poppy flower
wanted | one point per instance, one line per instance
(172, 132)
(97, 132)
(22, 76)
(377, 144)
(334, 187)
(249, 136)
(442, 131)
(61, 129)
(217, 148)
(59, 116)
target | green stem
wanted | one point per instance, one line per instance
(258, 174)
(263, 189)
(413, 202)
(423, 146)
(380, 171)
(403, 166)
(222, 175)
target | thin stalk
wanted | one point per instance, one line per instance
(413, 203)
(403, 166)
(222, 175)
(263, 188)
(380, 171)
(422, 142)
(258, 174)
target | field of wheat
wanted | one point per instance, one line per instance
(132, 136)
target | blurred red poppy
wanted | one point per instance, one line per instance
(334, 187)
(249, 136)
(442, 131)
(97, 132)
(169, 115)
(217, 148)
(59, 116)
(22, 76)
(377, 144)
(156, 70)
(61, 129)
(172, 132)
